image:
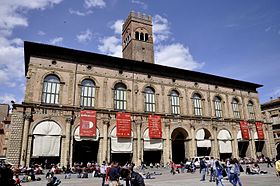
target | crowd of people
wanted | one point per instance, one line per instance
(114, 174)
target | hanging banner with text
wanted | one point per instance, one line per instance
(259, 127)
(154, 124)
(123, 125)
(244, 130)
(87, 123)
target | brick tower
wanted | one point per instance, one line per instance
(137, 38)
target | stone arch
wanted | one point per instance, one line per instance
(90, 78)
(199, 93)
(121, 149)
(38, 121)
(152, 151)
(46, 142)
(203, 142)
(149, 85)
(225, 146)
(60, 77)
(180, 145)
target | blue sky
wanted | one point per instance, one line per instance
(237, 39)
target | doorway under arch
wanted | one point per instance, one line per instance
(85, 149)
(179, 144)
(203, 142)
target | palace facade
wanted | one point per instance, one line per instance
(199, 114)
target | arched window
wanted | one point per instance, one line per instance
(197, 105)
(137, 36)
(218, 107)
(235, 108)
(51, 89)
(251, 111)
(149, 99)
(141, 36)
(120, 97)
(146, 37)
(87, 93)
(175, 104)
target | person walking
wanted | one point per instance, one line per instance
(212, 169)
(103, 169)
(277, 165)
(114, 175)
(203, 167)
(219, 173)
(268, 162)
(235, 173)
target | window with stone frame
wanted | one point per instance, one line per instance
(175, 102)
(87, 93)
(251, 111)
(120, 97)
(218, 107)
(51, 86)
(235, 108)
(150, 104)
(197, 104)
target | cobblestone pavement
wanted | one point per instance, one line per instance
(166, 179)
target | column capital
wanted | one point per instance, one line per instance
(27, 116)
(214, 125)
(166, 123)
(69, 119)
(138, 122)
(192, 125)
(106, 121)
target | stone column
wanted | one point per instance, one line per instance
(106, 122)
(235, 153)
(193, 142)
(167, 154)
(67, 141)
(215, 141)
(252, 141)
(27, 118)
(138, 131)
(267, 141)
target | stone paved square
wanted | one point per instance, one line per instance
(166, 179)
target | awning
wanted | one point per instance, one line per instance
(225, 146)
(224, 135)
(204, 143)
(46, 145)
(121, 145)
(151, 144)
(47, 135)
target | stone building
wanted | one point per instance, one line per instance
(5, 120)
(271, 113)
(197, 114)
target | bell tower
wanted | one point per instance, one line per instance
(137, 38)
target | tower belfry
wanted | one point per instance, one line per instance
(137, 38)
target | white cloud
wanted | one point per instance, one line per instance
(176, 55)
(79, 13)
(11, 62)
(12, 12)
(84, 36)
(111, 46)
(56, 41)
(142, 4)
(95, 3)
(161, 28)
(41, 33)
(117, 26)
(7, 98)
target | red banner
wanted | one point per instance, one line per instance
(244, 130)
(154, 124)
(123, 125)
(87, 123)
(259, 127)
